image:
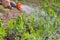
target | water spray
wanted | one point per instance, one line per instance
(33, 11)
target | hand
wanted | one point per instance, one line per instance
(6, 3)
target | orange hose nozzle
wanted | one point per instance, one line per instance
(19, 6)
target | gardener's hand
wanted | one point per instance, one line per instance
(6, 3)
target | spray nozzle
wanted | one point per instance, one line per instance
(19, 6)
